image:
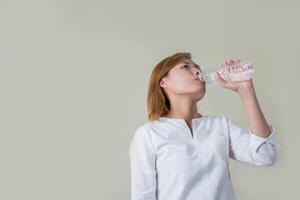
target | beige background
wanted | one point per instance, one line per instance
(73, 82)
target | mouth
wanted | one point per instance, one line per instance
(200, 81)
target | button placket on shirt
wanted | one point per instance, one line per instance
(188, 129)
(192, 139)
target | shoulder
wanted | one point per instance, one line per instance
(143, 130)
(151, 126)
(140, 131)
(142, 139)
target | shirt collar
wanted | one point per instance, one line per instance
(181, 120)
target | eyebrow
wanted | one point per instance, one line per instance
(197, 66)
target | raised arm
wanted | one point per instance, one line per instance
(257, 122)
(258, 145)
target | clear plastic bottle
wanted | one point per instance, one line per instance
(240, 71)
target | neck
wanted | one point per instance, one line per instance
(183, 108)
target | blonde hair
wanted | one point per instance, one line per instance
(158, 103)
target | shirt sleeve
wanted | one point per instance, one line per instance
(248, 147)
(142, 166)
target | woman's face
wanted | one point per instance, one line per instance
(183, 79)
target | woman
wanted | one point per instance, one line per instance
(180, 154)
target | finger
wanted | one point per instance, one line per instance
(238, 63)
(227, 62)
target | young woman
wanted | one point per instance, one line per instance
(180, 154)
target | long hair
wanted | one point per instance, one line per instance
(158, 103)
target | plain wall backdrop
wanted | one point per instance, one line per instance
(73, 85)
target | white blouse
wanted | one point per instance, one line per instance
(167, 162)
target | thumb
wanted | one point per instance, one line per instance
(220, 80)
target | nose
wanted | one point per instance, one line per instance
(197, 72)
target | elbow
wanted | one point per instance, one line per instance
(266, 155)
(267, 159)
(266, 163)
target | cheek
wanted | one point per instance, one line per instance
(180, 82)
(185, 85)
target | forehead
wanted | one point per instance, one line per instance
(186, 60)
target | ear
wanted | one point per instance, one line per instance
(162, 82)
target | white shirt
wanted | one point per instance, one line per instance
(168, 163)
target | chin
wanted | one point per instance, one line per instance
(195, 92)
(200, 94)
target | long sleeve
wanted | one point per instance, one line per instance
(248, 147)
(142, 166)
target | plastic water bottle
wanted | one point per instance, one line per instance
(239, 71)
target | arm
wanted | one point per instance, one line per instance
(256, 119)
(246, 91)
(259, 145)
(246, 146)
(142, 165)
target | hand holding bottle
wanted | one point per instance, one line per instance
(239, 81)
